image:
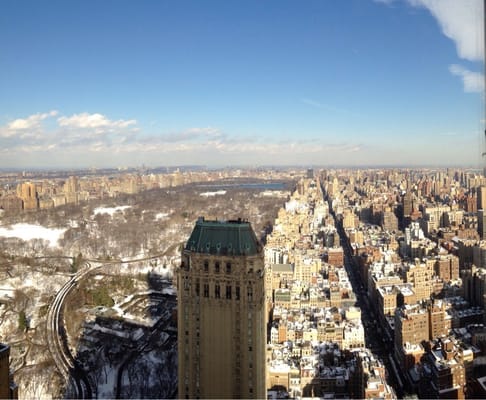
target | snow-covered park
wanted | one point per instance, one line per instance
(29, 231)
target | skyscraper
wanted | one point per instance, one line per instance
(221, 320)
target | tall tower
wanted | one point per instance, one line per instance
(71, 189)
(28, 193)
(221, 321)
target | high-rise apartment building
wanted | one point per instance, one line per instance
(481, 197)
(411, 325)
(482, 223)
(28, 193)
(407, 204)
(71, 189)
(420, 275)
(221, 312)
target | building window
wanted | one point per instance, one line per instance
(206, 290)
(206, 265)
(217, 292)
(237, 293)
(228, 268)
(250, 293)
(197, 289)
(216, 267)
(228, 292)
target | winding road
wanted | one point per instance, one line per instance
(56, 333)
(57, 339)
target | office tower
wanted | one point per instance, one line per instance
(221, 312)
(8, 389)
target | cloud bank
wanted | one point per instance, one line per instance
(94, 138)
(31, 122)
(85, 120)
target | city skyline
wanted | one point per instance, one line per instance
(355, 83)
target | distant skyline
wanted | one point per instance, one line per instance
(217, 83)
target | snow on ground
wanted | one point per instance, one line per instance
(105, 387)
(169, 290)
(109, 210)
(217, 193)
(108, 331)
(273, 193)
(28, 231)
(138, 334)
(73, 224)
(161, 216)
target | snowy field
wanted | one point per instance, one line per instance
(109, 210)
(28, 231)
(211, 194)
(161, 216)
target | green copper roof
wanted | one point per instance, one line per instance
(223, 237)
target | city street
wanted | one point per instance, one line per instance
(376, 341)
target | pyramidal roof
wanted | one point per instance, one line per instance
(234, 237)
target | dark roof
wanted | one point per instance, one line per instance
(223, 237)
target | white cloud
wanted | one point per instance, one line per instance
(86, 121)
(460, 20)
(473, 81)
(31, 122)
(93, 139)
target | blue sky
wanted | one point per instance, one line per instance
(217, 83)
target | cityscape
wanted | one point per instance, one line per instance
(360, 283)
(280, 200)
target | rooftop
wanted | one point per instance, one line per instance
(234, 237)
